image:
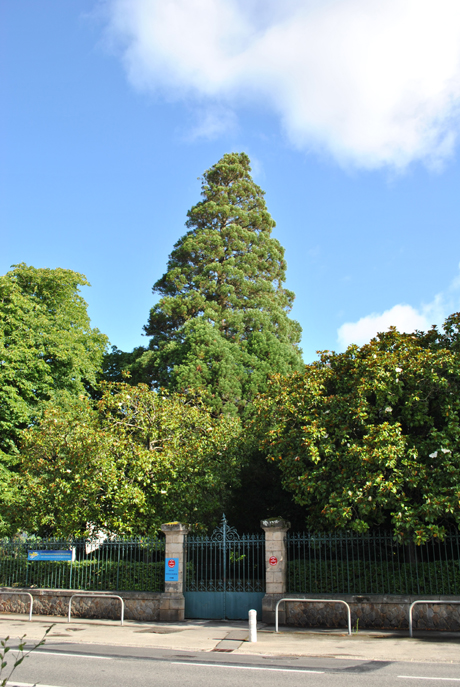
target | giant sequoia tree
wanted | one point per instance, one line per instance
(221, 324)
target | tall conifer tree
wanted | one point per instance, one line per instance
(221, 324)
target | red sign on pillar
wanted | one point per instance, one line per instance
(273, 560)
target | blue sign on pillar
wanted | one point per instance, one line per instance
(172, 570)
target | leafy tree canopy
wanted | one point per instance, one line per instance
(119, 365)
(372, 436)
(221, 324)
(46, 344)
(136, 460)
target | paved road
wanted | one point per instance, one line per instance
(87, 665)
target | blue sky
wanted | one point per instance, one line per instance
(348, 110)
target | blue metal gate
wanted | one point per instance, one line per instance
(225, 574)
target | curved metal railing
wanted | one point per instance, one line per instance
(98, 596)
(432, 601)
(317, 601)
(24, 594)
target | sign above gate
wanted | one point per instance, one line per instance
(273, 560)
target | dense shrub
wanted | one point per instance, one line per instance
(367, 577)
(90, 574)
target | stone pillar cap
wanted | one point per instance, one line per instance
(279, 523)
(174, 527)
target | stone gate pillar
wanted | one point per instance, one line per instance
(172, 604)
(275, 566)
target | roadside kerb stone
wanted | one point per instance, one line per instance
(204, 637)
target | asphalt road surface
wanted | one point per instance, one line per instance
(72, 665)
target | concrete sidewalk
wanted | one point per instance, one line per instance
(231, 636)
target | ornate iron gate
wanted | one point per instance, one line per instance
(224, 574)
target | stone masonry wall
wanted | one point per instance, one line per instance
(172, 608)
(371, 612)
(144, 606)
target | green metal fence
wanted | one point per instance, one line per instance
(115, 565)
(337, 563)
(346, 563)
(225, 561)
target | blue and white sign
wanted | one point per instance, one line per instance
(49, 555)
(172, 570)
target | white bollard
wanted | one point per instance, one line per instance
(253, 626)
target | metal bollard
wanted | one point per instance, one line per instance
(253, 626)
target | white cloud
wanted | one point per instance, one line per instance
(212, 122)
(404, 317)
(373, 83)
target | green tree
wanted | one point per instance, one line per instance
(116, 364)
(46, 345)
(135, 460)
(221, 324)
(372, 436)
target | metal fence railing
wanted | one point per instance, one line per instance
(317, 563)
(348, 563)
(225, 561)
(112, 565)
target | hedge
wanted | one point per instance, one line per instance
(365, 577)
(86, 574)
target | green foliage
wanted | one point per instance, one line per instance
(367, 577)
(372, 435)
(20, 655)
(117, 363)
(221, 324)
(46, 345)
(104, 575)
(67, 474)
(139, 459)
(260, 495)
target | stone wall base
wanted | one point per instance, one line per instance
(143, 606)
(172, 608)
(372, 611)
